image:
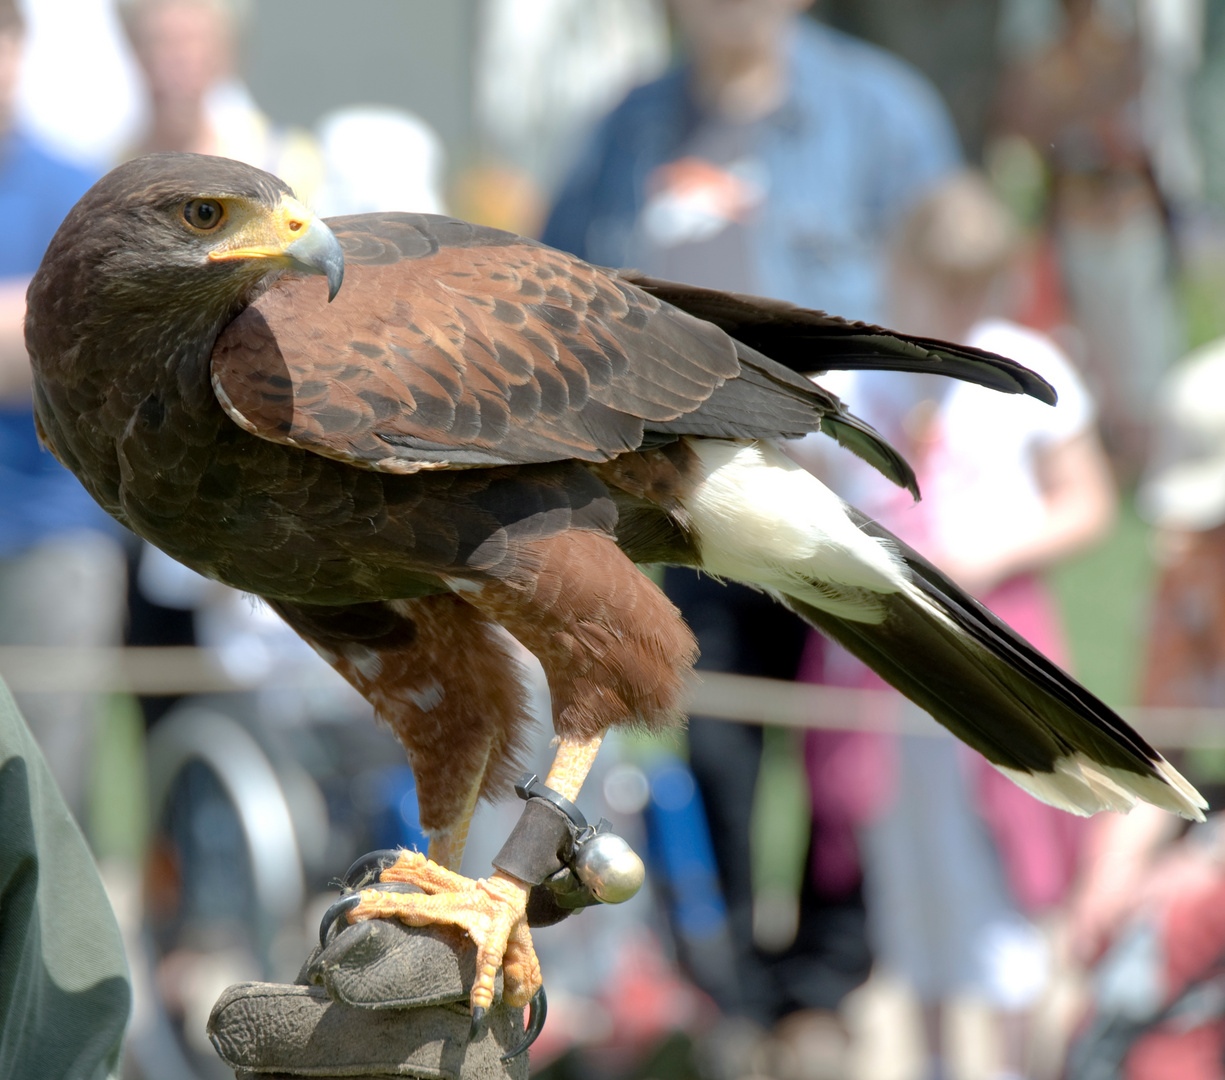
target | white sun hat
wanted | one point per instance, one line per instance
(1185, 485)
(378, 157)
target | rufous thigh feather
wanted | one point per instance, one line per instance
(454, 695)
(614, 649)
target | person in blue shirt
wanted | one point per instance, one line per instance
(61, 565)
(776, 159)
(827, 143)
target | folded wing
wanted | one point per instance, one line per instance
(456, 346)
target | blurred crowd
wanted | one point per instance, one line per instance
(1041, 178)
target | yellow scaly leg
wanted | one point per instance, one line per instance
(492, 910)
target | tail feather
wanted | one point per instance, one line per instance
(995, 692)
(996, 637)
(756, 517)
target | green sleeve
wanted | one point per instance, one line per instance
(64, 988)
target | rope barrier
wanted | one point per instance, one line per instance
(722, 696)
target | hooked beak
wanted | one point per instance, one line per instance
(318, 251)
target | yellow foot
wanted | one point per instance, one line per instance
(492, 910)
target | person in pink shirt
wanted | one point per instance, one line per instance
(956, 860)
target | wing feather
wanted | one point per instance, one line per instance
(811, 341)
(454, 346)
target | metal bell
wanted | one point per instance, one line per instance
(609, 867)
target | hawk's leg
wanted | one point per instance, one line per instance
(614, 651)
(572, 763)
(447, 845)
(448, 682)
(493, 910)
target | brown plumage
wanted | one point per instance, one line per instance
(481, 435)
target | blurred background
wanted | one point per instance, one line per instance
(835, 890)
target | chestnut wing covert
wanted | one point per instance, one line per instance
(453, 345)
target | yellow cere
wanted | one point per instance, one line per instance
(254, 232)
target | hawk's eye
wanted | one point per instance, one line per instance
(203, 214)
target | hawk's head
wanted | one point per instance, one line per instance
(176, 235)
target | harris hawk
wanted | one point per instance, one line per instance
(479, 436)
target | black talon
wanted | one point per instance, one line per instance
(537, 1012)
(370, 867)
(477, 1028)
(344, 904)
